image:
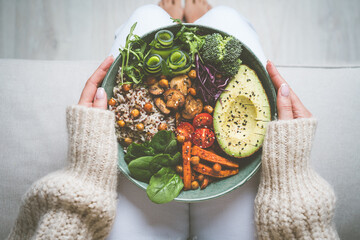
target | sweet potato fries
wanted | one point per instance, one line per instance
(212, 157)
(186, 152)
(192, 172)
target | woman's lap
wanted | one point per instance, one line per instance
(232, 22)
(150, 17)
(132, 201)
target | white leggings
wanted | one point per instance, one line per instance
(226, 19)
(224, 218)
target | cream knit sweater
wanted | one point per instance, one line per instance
(79, 201)
(292, 202)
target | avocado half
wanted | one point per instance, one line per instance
(241, 114)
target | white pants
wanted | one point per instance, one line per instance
(150, 17)
(227, 217)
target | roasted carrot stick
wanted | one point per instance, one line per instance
(212, 157)
(206, 170)
(186, 152)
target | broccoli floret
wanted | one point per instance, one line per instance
(231, 62)
(223, 53)
(211, 51)
(230, 68)
(232, 49)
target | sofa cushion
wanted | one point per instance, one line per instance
(35, 94)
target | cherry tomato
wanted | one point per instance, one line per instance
(203, 137)
(185, 129)
(203, 120)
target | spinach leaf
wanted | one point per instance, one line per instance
(152, 162)
(176, 159)
(159, 161)
(171, 147)
(136, 150)
(164, 160)
(140, 168)
(162, 140)
(164, 186)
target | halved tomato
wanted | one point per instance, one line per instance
(203, 137)
(203, 120)
(185, 129)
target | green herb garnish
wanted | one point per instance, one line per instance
(189, 36)
(133, 55)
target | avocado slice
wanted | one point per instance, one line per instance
(241, 114)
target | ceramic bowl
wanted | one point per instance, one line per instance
(248, 166)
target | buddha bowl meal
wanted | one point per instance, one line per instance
(188, 110)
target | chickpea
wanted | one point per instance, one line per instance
(192, 91)
(150, 80)
(201, 177)
(164, 83)
(112, 102)
(121, 123)
(209, 109)
(140, 127)
(128, 141)
(195, 160)
(135, 113)
(194, 185)
(180, 138)
(179, 169)
(217, 167)
(148, 107)
(126, 87)
(192, 74)
(162, 126)
(218, 76)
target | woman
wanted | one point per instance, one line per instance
(78, 202)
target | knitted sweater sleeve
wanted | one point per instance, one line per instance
(293, 202)
(79, 201)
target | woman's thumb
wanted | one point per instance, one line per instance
(100, 100)
(284, 103)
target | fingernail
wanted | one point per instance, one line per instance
(100, 93)
(284, 89)
(269, 62)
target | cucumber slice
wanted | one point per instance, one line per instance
(179, 62)
(164, 52)
(177, 59)
(152, 63)
(165, 38)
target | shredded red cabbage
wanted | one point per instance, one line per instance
(207, 86)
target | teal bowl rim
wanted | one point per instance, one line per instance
(270, 92)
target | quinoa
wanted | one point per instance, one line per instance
(136, 98)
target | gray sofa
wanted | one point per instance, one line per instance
(34, 95)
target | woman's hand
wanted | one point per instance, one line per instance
(288, 104)
(92, 96)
